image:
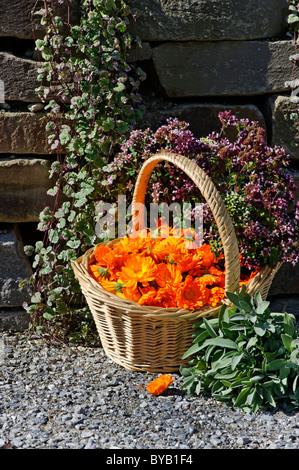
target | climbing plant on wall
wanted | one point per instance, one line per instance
(293, 22)
(93, 102)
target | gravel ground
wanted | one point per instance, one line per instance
(58, 398)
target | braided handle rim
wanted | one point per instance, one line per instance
(212, 197)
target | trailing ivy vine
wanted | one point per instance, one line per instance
(91, 95)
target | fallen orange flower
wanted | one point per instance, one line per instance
(157, 386)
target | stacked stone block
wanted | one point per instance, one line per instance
(200, 58)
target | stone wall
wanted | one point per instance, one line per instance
(25, 157)
(200, 57)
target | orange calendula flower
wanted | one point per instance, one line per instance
(218, 275)
(168, 275)
(157, 386)
(129, 293)
(216, 296)
(205, 255)
(98, 272)
(192, 294)
(208, 280)
(174, 248)
(163, 297)
(102, 254)
(166, 297)
(149, 297)
(195, 261)
(108, 262)
(115, 265)
(187, 261)
(138, 269)
(157, 250)
(110, 286)
(133, 245)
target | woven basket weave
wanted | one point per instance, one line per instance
(152, 339)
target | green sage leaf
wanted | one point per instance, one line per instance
(287, 341)
(276, 364)
(221, 342)
(209, 328)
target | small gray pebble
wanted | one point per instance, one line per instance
(243, 440)
(53, 388)
(86, 434)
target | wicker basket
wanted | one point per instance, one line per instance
(152, 339)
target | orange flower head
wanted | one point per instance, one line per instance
(218, 275)
(168, 274)
(110, 259)
(98, 272)
(129, 293)
(149, 297)
(217, 296)
(205, 255)
(110, 286)
(116, 263)
(192, 294)
(208, 280)
(174, 248)
(166, 297)
(157, 250)
(133, 246)
(138, 269)
(103, 254)
(189, 261)
(157, 386)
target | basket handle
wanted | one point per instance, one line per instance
(212, 197)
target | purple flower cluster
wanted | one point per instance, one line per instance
(252, 178)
